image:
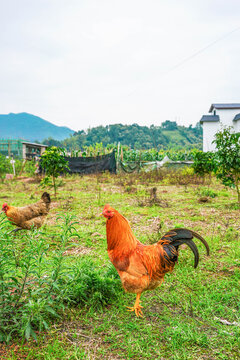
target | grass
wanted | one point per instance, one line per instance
(183, 318)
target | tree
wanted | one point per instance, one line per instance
(169, 125)
(54, 164)
(228, 158)
(134, 136)
(198, 130)
(52, 142)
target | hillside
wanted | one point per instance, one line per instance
(167, 136)
(30, 127)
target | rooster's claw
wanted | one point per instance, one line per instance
(137, 310)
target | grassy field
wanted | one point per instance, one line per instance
(194, 314)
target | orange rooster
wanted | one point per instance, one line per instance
(142, 267)
(30, 215)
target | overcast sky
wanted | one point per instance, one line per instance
(84, 63)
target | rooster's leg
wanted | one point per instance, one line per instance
(15, 230)
(137, 307)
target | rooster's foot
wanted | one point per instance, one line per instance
(15, 230)
(137, 309)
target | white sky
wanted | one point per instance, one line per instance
(84, 63)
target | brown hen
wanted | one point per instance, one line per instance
(32, 215)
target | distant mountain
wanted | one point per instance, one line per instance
(30, 127)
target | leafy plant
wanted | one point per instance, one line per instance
(156, 155)
(30, 167)
(203, 162)
(4, 166)
(35, 286)
(92, 287)
(53, 163)
(227, 167)
(206, 192)
(29, 291)
(96, 149)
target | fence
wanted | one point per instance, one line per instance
(11, 148)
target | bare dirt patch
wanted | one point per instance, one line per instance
(29, 180)
(82, 250)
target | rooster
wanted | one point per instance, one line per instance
(32, 215)
(142, 267)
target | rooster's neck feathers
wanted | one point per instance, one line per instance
(120, 235)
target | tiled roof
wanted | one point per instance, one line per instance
(209, 118)
(30, 143)
(236, 117)
(224, 106)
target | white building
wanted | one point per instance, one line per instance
(221, 115)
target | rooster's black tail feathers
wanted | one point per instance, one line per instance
(176, 237)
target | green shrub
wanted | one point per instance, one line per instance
(30, 167)
(204, 162)
(54, 164)
(206, 192)
(18, 166)
(92, 287)
(227, 156)
(36, 287)
(5, 167)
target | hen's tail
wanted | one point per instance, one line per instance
(174, 238)
(44, 204)
(46, 198)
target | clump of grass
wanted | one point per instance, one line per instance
(233, 206)
(91, 286)
(202, 191)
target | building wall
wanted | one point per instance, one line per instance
(24, 151)
(209, 131)
(226, 117)
(237, 126)
(42, 150)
